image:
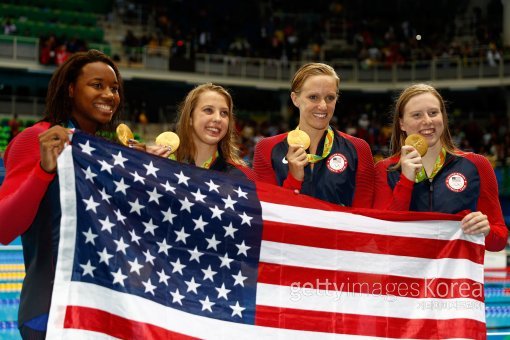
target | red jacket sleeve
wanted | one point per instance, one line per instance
(387, 199)
(262, 164)
(247, 171)
(364, 191)
(24, 186)
(488, 203)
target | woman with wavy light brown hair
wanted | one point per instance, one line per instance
(206, 128)
(441, 177)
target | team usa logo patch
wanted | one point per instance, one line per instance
(456, 182)
(337, 163)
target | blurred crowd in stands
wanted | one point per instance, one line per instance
(374, 33)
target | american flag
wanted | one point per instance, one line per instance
(154, 249)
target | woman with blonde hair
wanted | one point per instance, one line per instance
(335, 166)
(444, 179)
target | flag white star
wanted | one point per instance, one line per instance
(200, 224)
(213, 186)
(237, 309)
(121, 245)
(192, 285)
(119, 159)
(154, 196)
(136, 207)
(195, 255)
(216, 212)
(163, 247)
(230, 230)
(163, 278)
(89, 174)
(119, 216)
(89, 236)
(168, 216)
(222, 291)
(91, 204)
(148, 257)
(134, 238)
(225, 261)
(241, 193)
(206, 304)
(212, 242)
(104, 256)
(149, 287)
(88, 269)
(186, 205)
(181, 235)
(182, 178)
(118, 277)
(168, 187)
(105, 166)
(239, 278)
(243, 249)
(149, 227)
(121, 186)
(198, 196)
(137, 177)
(105, 196)
(86, 148)
(177, 266)
(135, 266)
(209, 273)
(245, 219)
(229, 203)
(151, 169)
(106, 224)
(177, 297)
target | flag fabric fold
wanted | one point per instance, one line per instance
(154, 249)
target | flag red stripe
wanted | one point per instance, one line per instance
(368, 325)
(103, 322)
(365, 283)
(371, 243)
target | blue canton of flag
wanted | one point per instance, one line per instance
(172, 233)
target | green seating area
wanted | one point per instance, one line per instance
(5, 130)
(73, 19)
(83, 6)
(48, 15)
(38, 28)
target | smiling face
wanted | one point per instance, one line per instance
(210, 119)
(95, 96)
(422, 114)
(316, 101)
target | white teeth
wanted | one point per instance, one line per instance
(320, 115)
(103, 107)
(213, 130)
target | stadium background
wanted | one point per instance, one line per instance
(164, 48)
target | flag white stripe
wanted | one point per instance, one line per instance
(142, 310)
(66, 245)
(415, 267)
(376, 305)
(335, 220)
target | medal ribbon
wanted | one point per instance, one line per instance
(328, 144)
(422, 175)
(207, 164)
